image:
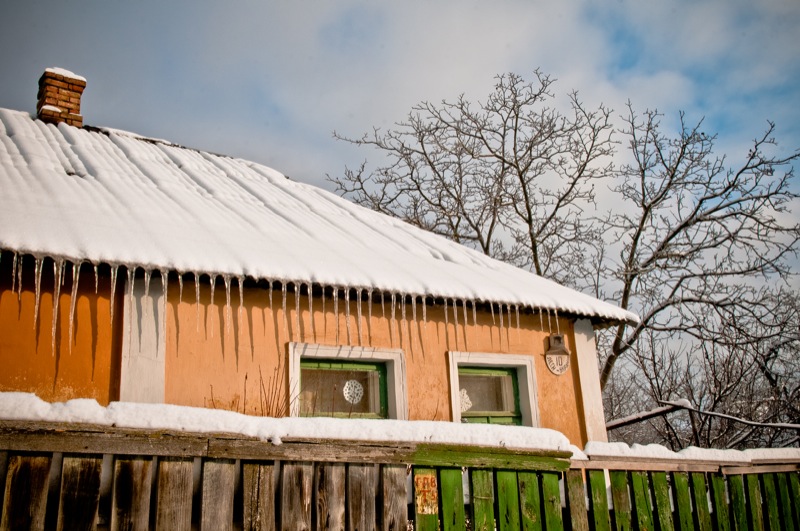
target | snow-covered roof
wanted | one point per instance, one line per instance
(107, 196)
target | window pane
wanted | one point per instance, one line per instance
(489, 393)
(341, 392)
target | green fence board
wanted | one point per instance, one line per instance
(771, 497)
(683, 501)
(756, 507)
(661, 498)
(794, 489)
(720, 502)
(621, 500)
(598, 498)
(700, 501)
(453, 515)
(785, 502)
(738, 502)
(426, 500)
(482, 486)
(641, 500)
(552, 501)
(576, 497)
(508, 517)
(530, 501)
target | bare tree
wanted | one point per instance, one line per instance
(509, 176)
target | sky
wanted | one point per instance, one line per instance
(271, 81)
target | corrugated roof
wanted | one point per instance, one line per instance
(107, 196)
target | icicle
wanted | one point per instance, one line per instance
(558, 325)
(383, 309)
(549, 325)
(347, 313)
(414, 308)
(474, 314)
(446, 323)
(147, 275)
(541, 320)
(76, 272)
(213, 280)
(358, 313)
(13, 272)
(466, 345)
(19, 279)
(309, 291)
(38, 287)
(96, 280)
(491, 307)
(283, 304)
(226, 279)
(403, 317)
(324, 315)
(197, 300)
(298, 331)
(391, 324)
(240, 281)
(111, 300)
(516, 308)
(424, 315)
(58, 274)
(180, 287)
(369, 314)
(336, 311)
(455, 320)
(164, 283)
(500, 331)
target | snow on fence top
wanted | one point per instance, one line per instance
(106, 196)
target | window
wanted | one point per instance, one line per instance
(333, 388)
(489, 396)
(345, 381)
(493, 388)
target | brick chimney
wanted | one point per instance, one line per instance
(59, 98)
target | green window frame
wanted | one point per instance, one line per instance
(503, 385)
(329, 388)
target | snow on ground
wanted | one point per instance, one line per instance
(106, 196)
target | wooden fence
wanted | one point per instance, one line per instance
(69, 477)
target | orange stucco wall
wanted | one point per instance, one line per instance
(236, 357)
(88, 368)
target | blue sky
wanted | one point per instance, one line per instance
(270, 81)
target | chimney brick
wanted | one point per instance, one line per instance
(59, 97)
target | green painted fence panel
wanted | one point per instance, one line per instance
(794, 489)
(641, 501)
(453, 515)
(530, 501)
(507, 501)
(661, 498)
(700, 501)
(738, 502)
(720, 502)
(771, 497)
(552, 501)
(785, 502)
(426, 499)
(756, 509)
(599, 500)
(621, 500)
(482, 484)
(683, 501)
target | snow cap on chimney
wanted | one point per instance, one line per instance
(59, 98)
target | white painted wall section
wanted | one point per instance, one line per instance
(143, 343)
(589, 377)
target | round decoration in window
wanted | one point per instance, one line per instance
(466, 403)
(353, 391)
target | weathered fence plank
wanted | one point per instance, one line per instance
(771, 497)
(720, 503)
(218, 488)
(663, 512)
(25, 494)
(640, 486)
(453, 514)
(794, 491)
(482, 487)
(174, 494)
(132, 485)
(576, 496)
(362, 486)
(598, 498)
(621, 500)
(785, 502)
(258, 496)
(756, 506)
(296, 495)
(80, 492)
(683, 500)
(330, 493)
(530, 501)
(507, 501)
(395, 495)
(3, 470)
(700, 501)
(426, 499)
(738, 502)
(552, 501)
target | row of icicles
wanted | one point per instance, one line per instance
(60, 265)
